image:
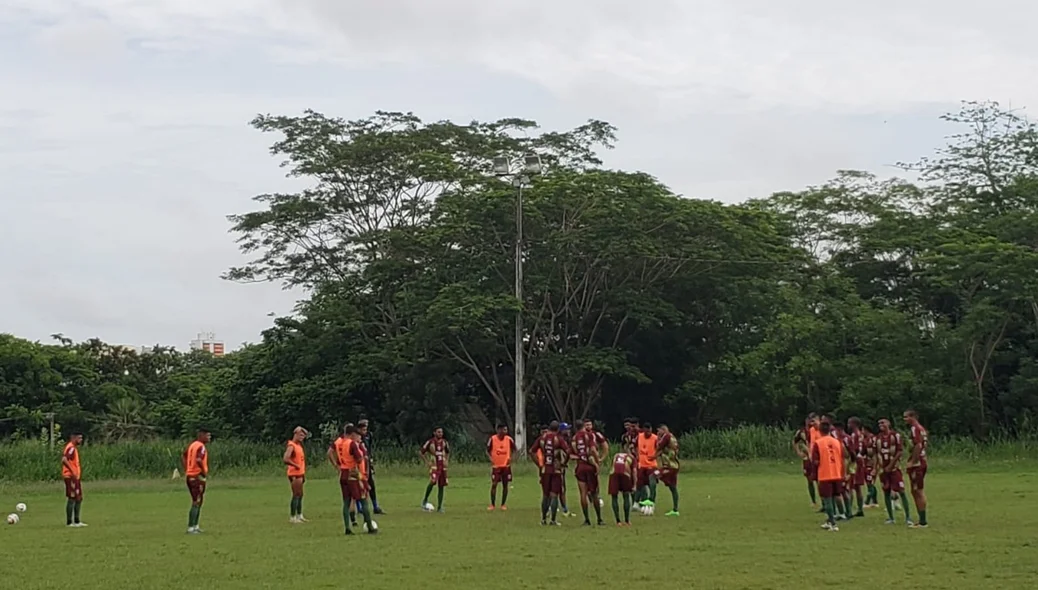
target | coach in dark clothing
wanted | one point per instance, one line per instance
(365, 438)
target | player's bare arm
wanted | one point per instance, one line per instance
(333, 457)
(287, 457)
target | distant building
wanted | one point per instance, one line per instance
(207, 341)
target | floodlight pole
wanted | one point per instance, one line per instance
(502, 168)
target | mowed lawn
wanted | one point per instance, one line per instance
(742, 526)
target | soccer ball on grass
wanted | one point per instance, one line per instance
(20, 507)
(374, 526)
(12, 518)
(648, 510)
(428, 507)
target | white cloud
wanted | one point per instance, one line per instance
(124, 144)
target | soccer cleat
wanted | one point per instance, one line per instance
(586, 523)
(301, 519)
(544, 522)
(79, 525)
(378, 510)
(673, 513)
(349, 532)
(441, 510)
(619, 524)
(601, 523)
(860, 514)
(919, 525)
(909, 523)
(372, 531)
(504, 508)
(841, 517)
(491, 508)
(888, 521)
(555, 523)
(193, 531)
(835, 529)
(827, 525)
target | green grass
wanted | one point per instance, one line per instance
(743, 525)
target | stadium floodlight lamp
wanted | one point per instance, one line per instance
(532, 165)
(501, 166)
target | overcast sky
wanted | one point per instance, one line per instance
(124, 140)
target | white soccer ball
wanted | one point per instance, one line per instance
(13, 518)
(20, 507)
(428, 507)
(648, 510)
(374, 526)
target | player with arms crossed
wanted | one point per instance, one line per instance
(871, 467)
(500, 448)
(917, 464)
(648, 467)
(196, 470)
(667, 454)
(72, 473)
(828, 455)
(295, 466)
(436, 455)
(802, 447)
(553, 450)
(890, 447)
(587, 447)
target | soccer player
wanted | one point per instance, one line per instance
(500, 448)
(295, 462)
(890, 447)
(436, 454)
(553, 449)
(648, 468)
(587, 445)
(365, 439)
(871, 467)
(334, 456)
(827, 453)
(667, 453)
(565, 431)
(72, 473)
(196, 470)
(843, 500)
(856, 445)
(621, 481)
(349, 458)
(629, 440)
(917, 464)
(802, 447)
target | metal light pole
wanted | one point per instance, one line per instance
(531, 166)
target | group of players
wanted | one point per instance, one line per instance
(844, 461)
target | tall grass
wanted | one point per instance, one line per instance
(32, 461)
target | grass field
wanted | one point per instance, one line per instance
(742, 526)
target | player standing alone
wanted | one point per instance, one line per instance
(295, 462)
(500, 448)
(436, 454)
(917, 464)
(72, 473)
(827, 453)
(667, 454)
(890, 447)
(196, 470)
(648, 468)
(553, 449)
(588, 446)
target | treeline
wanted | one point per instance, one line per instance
(860, 296)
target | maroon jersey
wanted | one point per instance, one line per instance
(889, 447)
(439, 448)
(802, 439)
(856, 445)
(868, 441)
(630, 443)
(585, 446)
(623, 464)
(554, 449)
(920, 440)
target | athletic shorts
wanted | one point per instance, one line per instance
(587, 475)
(353, 489)
(860, 473)
(669, 477)
(830, 489)
(196, 487)
(73, 489)
(438, 477)
(551, 483)
(917, 475)
(501, 474)
(892, 481)
(644, 473)
(620, 484)
(810, 470)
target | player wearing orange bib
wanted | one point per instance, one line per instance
(295, 461)
(196, 470)
(827, 453)
(72, 473)
(648, 468)
(500, 449)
